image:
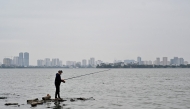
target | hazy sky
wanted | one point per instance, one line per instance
(104, 29)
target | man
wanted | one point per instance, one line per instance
(58, 81)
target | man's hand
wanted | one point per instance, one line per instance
(63, 81)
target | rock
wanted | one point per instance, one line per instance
(11, 104)
(40, 102)
(58, 99)
(81, 98)
(30, 101)
(64, 104)
(3, 97)
(34, 104)
(48, 97)
(72, 100)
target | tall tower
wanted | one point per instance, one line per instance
(20, 60)
(84, 63)
(165, 60)
(176, 60)
(139, 60)
(26, 59)
(92, 62)
(157, 61)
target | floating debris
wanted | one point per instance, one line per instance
(82, 99)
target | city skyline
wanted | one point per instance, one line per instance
(23, 60)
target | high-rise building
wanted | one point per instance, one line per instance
(165, 61)
(84, 63)
(92, 62)
(47, 62)
(175, 61)
(71, 63)
(7, 61)
(60, 63)
(171, 61)
(16, 61)
(20, 59)
(139, 60)
(26, 59)
(40, 62)
(157, 61)
(55, 62)
(181, 61)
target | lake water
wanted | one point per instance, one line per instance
(113, 89)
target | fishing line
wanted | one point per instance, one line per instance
(86, 74)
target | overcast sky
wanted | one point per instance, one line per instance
(104, 29)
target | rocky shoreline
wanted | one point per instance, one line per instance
(36, 101)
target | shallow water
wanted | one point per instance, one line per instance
(113, 89)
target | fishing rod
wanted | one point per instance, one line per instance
(86, 74)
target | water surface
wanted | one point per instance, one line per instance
(113, 89)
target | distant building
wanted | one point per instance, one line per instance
(71, 63)
(7, 61)
(139, 61)
(26, 59)
(68, 63)
(129, 61)
(146, 62)
(60, 63)
(40, 62)
(92, 62)
(55, 62)
(78, 64)
(16, 61)
(47, 62)
(165, 61)
(21, 59)
(157, 61)
(171, 61)
(84, 63)
(175, 61)
(181, 61)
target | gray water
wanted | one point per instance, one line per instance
(114, 89)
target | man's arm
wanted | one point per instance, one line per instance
(63, 80)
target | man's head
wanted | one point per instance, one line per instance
(60, 72)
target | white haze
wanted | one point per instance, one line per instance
(104, 29)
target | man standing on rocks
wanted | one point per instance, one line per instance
(58, 81)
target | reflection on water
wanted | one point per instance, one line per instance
(114, 89)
